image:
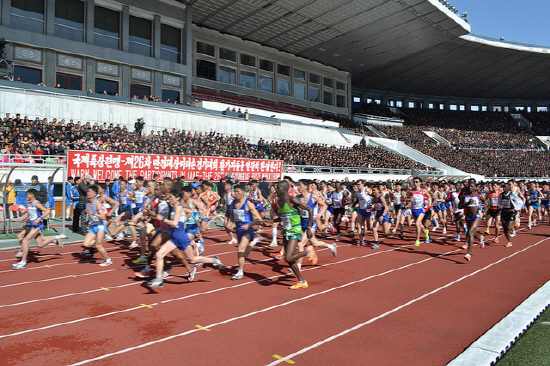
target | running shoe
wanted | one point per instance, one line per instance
(256, 240)
(217, 262)
(299, 285)
(166, 272)
(19, 254)
(140, 260)
(482, 242)
(444, 230)
(232, 241)
(362, 242)
(106, 263)
(237, 276)
(487, 232)
(465, 246)
(394, 231)
(134, 244)
(191, 274)
(509, 245)
(351, 234)
(279, 255)
(273, 244)
(457, 238)
(120, 236)
(427, 236)
(401, 236)
(375, 246)
(334, 249)
(339, 237)
(496, 240)
(144, 273)
(108, 237)
(312, 255)
(89, 253)
(417, 243)
(157, 282)
(529, 227)
(58, 241)
(19, 265)
(468, 257)
(513, 234)
(435, 228)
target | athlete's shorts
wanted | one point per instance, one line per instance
(192, 229)
(240, 233)
(406, 212)
(227, 213)
(396, 208)
(39, 226)
(448, 204)
(508, 215)
(260, 208)
(356, 209)
(180, 239)
(459, 216)
(417, 212)
(535, 205)
(330, 209)
(94, 229)
(379, 215)
(366, 214)
(304, 222)
(437, 208)
(428, 215)
(51, 203)
(292, 236)
(494, 212)
(472, 218)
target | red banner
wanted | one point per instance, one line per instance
(109, 165)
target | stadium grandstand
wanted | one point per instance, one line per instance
(373, 90)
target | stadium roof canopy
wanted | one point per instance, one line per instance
(404, 46)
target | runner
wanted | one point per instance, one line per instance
(508, 201)
(243, 218)
(96, 231)
(417, 200)
(364, 218)
(470, 200)
(397, 198)
(179, 239)
(495, 210)
(338, 199)
(382, 215)
(533, 205)
(33, 230)
(228, 198)
(289, 217)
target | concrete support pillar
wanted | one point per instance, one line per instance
(156, 36)
(156, 88)
(447, 105)
(5, 8)
(468, 106)
(89, 75)
(490, 106)
(187, 50)
(48, 76)
(425, 103)
(50, 17)
(89, 21)
(125, 28)
(124, 89)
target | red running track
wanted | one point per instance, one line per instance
(397, 305)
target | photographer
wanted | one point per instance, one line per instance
(138, 127)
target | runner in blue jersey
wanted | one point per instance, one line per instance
(381, 217)
(97, 228)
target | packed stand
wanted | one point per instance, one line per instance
(492, 163)
(297, 153)
(541, 122)
(346, 123)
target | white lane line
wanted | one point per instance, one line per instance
(210, 326)
(383, 315)
(196, 294)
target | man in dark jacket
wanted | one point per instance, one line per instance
(79, 218)
(264, 188)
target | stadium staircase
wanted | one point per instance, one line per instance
(523, 122)
(437, 138)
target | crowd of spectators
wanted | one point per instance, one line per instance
(297, 153)
(512, 162)
(541, 122)
(42, 137)
(488, 139)
(345, 122)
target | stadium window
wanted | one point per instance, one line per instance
(283, 70)
(430, 106)
(484, 108)
(170, 43)
(313, 94)
(206, 49)
(206, 69)
(299, 91)
(329, 83)
(328, 98)
(266, 65)
(69, 19)
(314, 78)
(140, 36)
(299, 74)
(67, 81)
(283, 87)
(412, 105)
(453, 107)
(356, 99)
(341, 101)
(106, 28)
(266, 84)
(28, 15)
(228, 75)
(392, 103)
(248, 79)
(227, 54)
(173, 95)
(28, 74)
(248, 60)
(109, 86)
(140, 91)
(340, 85)
(441, 106)
(462, 107)
(399, 104)
(475, 108)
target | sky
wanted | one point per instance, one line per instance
(517, 20)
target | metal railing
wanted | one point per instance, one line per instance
(508, 41)
(32, 159)
(309, 169)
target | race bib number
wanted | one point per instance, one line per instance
(304, 214)
(139, 197)
(238, 215)
(32, 214)
(285, 221)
